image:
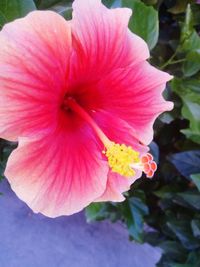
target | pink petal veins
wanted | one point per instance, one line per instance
(34, 66)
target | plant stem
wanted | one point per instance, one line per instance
(170, 60)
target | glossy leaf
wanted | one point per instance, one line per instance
(189, 91)
(13, 9)
(183, 232)
(144, 21)
(179, 7)
(191, 198)
(111, 3)
(173, 249)
(63, 8)
(154, 150)
(187, 28)
(195, 225)
(43, 4)
(190, 41)
(136, 210)
(5, 150)
(196, 179)
(192, 63)
(187, 162)
(94, 212)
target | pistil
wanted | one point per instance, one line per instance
(122, 159)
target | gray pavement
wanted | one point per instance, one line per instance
(32, 240)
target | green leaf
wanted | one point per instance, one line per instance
(94, 212)
(191, 111)
(196, 180)
(144, 21)
(193, 260)
(173, 249)
(154, 150)
(193, 135)
(12, 9)
(111, 3)
(187, 162)
(64, 9)
(183, 232)
(135, 212)
(190, 39)
(191, 198)
(195, 225)
(41, 4)
(187, 88)
(189, 91)
(166, 118)
(5, 150)
(187, 28)
(179, 7)
(191, 42)
(192, 63)
(150, 2)
(165, 192)
(2, 168)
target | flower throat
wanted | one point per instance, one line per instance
(122, 159)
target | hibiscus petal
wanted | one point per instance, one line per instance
(34, 60)
(58, 175)
(134, 94)
(120, 132)
(102, 41)
(116, 185)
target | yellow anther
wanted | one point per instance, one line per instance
(120, 158)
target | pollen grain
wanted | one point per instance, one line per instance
(120, 158)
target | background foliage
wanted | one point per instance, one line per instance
(163, 211)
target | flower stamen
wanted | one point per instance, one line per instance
(122, 159)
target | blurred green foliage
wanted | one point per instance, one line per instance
(144, 21)
(169, 204)
(13, 9)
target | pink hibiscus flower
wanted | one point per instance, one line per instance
(81, 100)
